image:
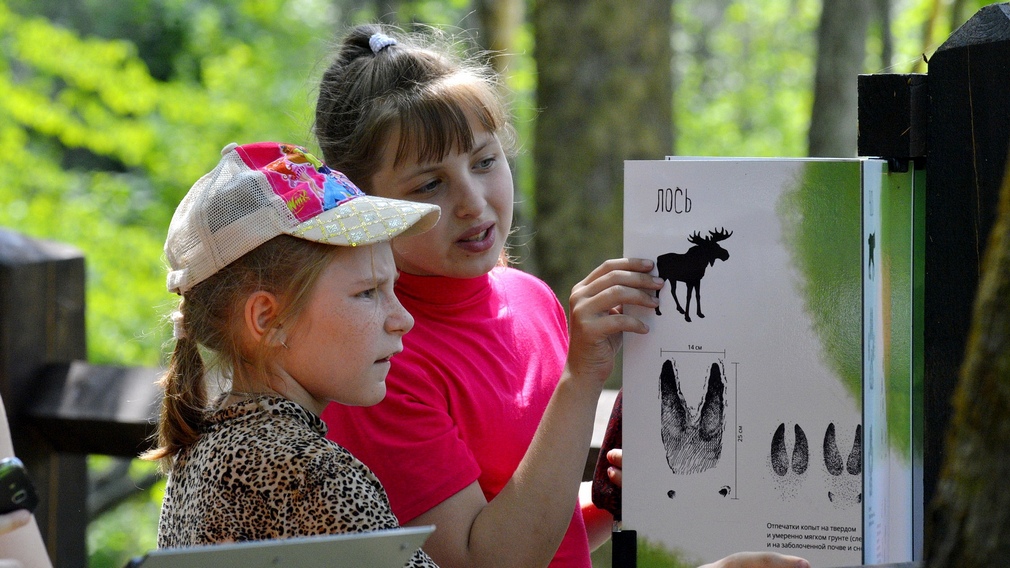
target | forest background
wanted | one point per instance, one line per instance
(111, 109)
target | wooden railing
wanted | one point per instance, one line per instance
(62, 408)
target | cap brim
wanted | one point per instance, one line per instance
(368, 219)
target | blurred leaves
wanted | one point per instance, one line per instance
(114, 539)
(98, 151)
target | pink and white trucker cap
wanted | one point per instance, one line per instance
(264, 190)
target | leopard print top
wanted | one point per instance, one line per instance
(263, 469)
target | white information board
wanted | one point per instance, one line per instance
(743, 405)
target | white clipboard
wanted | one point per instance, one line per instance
(390, 548)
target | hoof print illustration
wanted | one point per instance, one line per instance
(689, 268)
(801, 451)
(693, 441)
(833, 459)
(780, 457)
(854, 465)
(845, 489)
(725, 491)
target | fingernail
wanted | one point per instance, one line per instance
(657, 280)
(611, 472)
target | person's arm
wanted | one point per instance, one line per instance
(524, 524)
(599, 523)
(14, 520)
(22, 540)
(25, 545)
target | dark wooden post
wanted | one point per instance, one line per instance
(955, 120)
(968, 137)
(42, 323)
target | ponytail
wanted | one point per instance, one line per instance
(185, 397)
(206, 325)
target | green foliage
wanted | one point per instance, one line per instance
(655, 555)
(648, 555)
(744, 73)
(113, 539)
(98, 151)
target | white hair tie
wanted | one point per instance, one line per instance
(380, 41)
(178, 326)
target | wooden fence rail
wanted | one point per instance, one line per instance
(61, 408)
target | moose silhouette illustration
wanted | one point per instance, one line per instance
(871, 244)
(689, 268)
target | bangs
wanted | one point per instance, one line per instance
(437, 123)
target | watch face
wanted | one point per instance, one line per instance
(16, 489)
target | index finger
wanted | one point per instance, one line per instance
(614, 264)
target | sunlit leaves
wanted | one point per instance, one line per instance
(744, 73)
(244, 74)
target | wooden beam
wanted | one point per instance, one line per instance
(95, 409)
(892, 116)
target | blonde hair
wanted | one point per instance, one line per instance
(211, 315)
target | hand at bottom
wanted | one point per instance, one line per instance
(13, 520)
(758, 560)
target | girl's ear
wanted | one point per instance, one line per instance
(260, 312)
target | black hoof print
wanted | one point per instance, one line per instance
(780, 457)
(845, 489)
(854, 465)
(693, 443)
(833, 458)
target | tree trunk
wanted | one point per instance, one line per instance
(388, 11)
(841, 49)
(883, 12)
(500, 22)
(969, 522)
(605, 95)
(967, 270)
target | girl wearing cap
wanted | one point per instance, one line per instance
(490, 410)
(286, 276)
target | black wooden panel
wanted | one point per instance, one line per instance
(892, 116)
(968, 137)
